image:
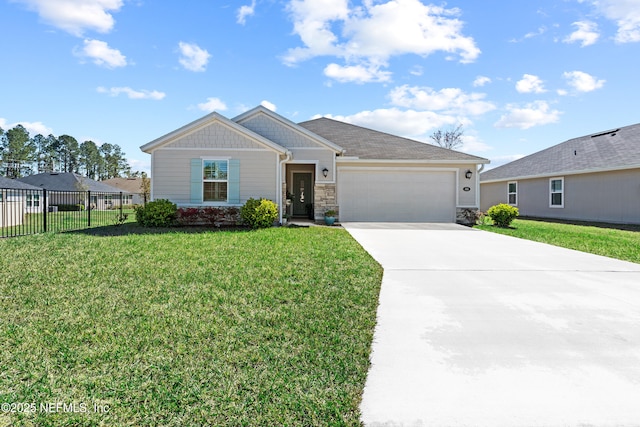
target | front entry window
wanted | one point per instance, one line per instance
(215, 180)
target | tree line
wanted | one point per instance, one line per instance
(22, 155)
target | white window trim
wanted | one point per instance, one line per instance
(216, 202)
(551, 193)
(33, 200)
(509, 193)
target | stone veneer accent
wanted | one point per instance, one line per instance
(466, 216)
(324, 199)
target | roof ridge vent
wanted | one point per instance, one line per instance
(609, 132)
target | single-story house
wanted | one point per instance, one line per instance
(66, 188)
(16, 200)
(591, 178)
(311, 167)
(132, 186)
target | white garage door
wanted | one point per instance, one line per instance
(396, 196)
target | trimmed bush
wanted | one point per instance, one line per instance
(502, 214)
(259, 213)
(216, 216)
(159, 213)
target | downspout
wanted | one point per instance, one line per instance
(478, 185)
(282, 162)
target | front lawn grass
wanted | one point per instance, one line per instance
(237, 328)
(592, 238)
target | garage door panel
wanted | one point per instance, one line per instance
(378, 195)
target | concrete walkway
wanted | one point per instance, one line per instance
(480, 329)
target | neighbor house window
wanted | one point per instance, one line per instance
(513, 193)
(33, 200)
(214, 180)
(556, 192)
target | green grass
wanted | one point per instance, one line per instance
(187, 328)
(593, 238)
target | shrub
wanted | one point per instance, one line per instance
(159, 213)
(259, 213)
(502, 214)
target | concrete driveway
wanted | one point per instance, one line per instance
(480, 329)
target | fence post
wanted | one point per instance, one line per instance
(89, 208)
(121, 204)
(45, 210)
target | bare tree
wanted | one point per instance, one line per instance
(449, 139)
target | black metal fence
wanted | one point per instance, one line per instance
(25, 211)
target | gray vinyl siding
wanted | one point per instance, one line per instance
(603, 197)
(278, 132)
(324, 158)
(494, 193)
(172, 173)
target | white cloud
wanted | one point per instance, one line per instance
(245, 11)
(481, 81)
(193, 58)
(472, 144)
(367, 36)
(140, 165)
(407, 123)
(131, 93)
(269, 105)
(540, 31)
(101, 54)
(583, 82)
(447, 100)
(416, 70)
(530, 84)
(626, 14)
(356, 73)
(33, 128)
(212, 104)
(586, 33)
(533, 114)
(76, 16)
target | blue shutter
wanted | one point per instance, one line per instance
(233, 186)
(196, 181)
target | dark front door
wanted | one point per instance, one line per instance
(302, 190)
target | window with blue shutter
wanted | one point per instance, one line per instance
(215, 181)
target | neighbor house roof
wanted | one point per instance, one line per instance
(131, 185)
(65, 181)
(15, 184)
(370, 144)
(613, 149)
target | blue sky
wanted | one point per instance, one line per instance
(520, 76)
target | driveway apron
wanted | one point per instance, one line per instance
(480, 329)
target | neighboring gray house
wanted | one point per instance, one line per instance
(132, 186)
(317, 165)
(591, 178)
(16, 200)
(69, 189)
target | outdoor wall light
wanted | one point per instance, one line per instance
(468, 174)
(325, 172)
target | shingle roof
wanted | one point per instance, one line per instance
(371, 144)
(15, 184)
(613, 149)
(67, 182)
(132, 185)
